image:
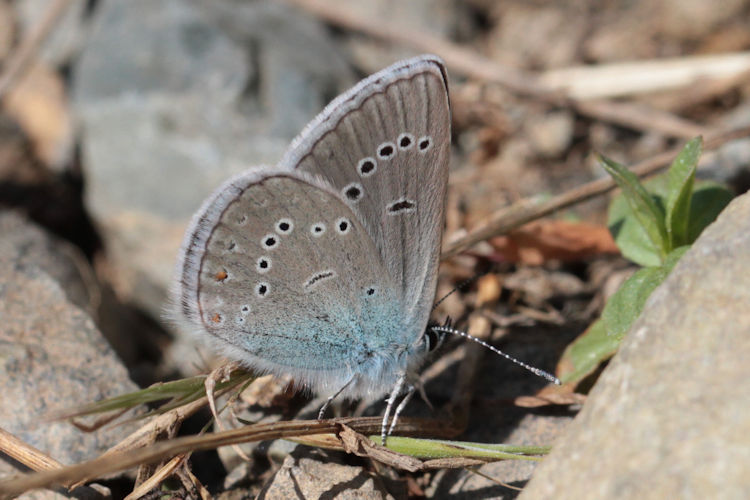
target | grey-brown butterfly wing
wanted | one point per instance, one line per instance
(385, 146)
(279, 271)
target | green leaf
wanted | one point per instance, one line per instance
(626, 304)
(709, 199)
(627, 231)
(602, 339)
(681, 176)
(585, 353)
(643, 206)
(630, 236)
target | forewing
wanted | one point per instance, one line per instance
(385, 146)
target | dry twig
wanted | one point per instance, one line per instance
(119, 461)
(530, 209)
(473, 65)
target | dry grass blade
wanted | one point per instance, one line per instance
(25, 453)
(144, 435)
(152, 482)
(362, 446)
(123, 460)
(528, 210)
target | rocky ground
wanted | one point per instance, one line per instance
(118, 117)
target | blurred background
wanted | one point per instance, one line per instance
(118, 117)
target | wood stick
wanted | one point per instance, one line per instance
(529, 209)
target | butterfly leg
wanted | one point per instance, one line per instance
(334, 396)
(400, 408)
(391, 399)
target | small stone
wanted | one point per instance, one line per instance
(52, 356)
(311, 473)
(551, 133)
(26, 244)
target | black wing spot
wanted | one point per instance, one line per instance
(262, 290)
(269, 241)
(401, 206)
(263, 264)
(318, 277)
(386, 151)
(366, 167)
(284, 226)
(353, 192)
(405, 141)
(424, 143)
(343, 225)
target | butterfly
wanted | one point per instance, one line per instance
(325, 265)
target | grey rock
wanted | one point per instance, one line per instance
(25, 244)
(280, 449)
(67, 35)
(669, 416)
(176, 96)
(297, 67)
(310, 473)
(52, 358)
(141, 47)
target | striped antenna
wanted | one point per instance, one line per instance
(535, 371)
